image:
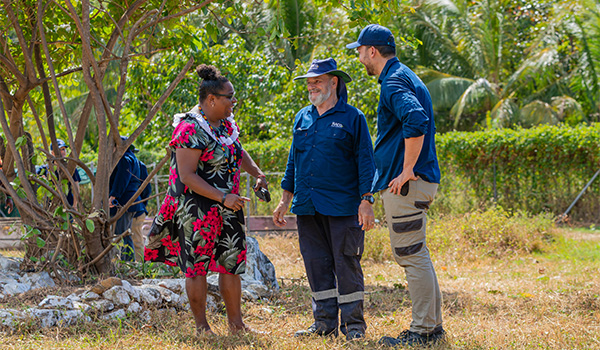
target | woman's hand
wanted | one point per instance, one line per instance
(261, 181)
(235, 202)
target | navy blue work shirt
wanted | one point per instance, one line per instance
(404, 111)
(125, 181)
(330, 164)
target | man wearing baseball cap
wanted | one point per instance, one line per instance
(407, 175)
(62, 153)
(329, 175)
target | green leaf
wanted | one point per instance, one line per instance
(90, 225)
(20, 141)
(40, 242)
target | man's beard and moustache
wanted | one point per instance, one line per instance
(320, 98)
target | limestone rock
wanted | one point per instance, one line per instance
(45, 317)
(16, 288)
(259, 267)
(9, 264)
(118, 295)
(175, 285)
(89, 296)
(85, 308)
(56, 302)
(133, 293)
(149, 294)
(168, 296)
(9, 317)
(102, 305)
(134, 308)
(38, 280)
(71, 317)
(117, 314)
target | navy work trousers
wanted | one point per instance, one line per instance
(332, 247)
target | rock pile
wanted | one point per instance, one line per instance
(114, 298)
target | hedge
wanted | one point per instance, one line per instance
(534, 170)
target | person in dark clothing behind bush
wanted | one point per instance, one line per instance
(407, 176)
(43, 171)
(328, 175)
(124, 182)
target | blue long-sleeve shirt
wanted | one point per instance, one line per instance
(125, 181)
(330, 164)
(405, 111)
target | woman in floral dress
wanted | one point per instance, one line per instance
(200, 225)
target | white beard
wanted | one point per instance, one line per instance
(320, 98)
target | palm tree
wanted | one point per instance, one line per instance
(492, 68)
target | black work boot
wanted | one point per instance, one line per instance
(314, 330)
(408, 338)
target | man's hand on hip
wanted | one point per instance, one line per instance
(396, 184)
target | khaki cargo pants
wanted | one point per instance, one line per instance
(407, 217)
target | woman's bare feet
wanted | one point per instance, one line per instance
(243, 329)
(204, 330)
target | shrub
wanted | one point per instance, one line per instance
(493, 232)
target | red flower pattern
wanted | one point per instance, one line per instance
(236, 183)
(172, 176)
(198, 270)
(173, 247)
(220, 269)
(181, 134)
(206, 156)
(168, 208)
(241, 256)
(150, 255)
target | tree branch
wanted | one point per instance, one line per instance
(29, 68)
(54, 80)
(159, 104)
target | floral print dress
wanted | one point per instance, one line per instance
(193, 232)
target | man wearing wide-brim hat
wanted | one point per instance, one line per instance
(328, 176)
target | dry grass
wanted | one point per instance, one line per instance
(524, 299)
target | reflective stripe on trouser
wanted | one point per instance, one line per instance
(407, 218)
(332, 247)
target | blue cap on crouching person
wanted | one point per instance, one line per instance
(374, 35)
(132, 147)
(326, 66)
(60, 144)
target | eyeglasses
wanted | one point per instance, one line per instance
(231, 96)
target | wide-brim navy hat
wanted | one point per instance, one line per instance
(374, 35)
(326, 66)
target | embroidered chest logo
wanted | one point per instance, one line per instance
(337, 125)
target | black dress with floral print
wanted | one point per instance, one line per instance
(194, 232)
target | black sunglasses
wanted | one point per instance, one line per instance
(223, 95)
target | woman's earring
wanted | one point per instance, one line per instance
(213, 104)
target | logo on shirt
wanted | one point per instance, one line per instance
(337, 125)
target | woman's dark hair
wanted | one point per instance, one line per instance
(212, 81)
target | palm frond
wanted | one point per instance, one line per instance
(479, 96)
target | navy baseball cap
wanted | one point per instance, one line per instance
(132, 147)
(326, 66)
(374, 35)
(60, 143)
